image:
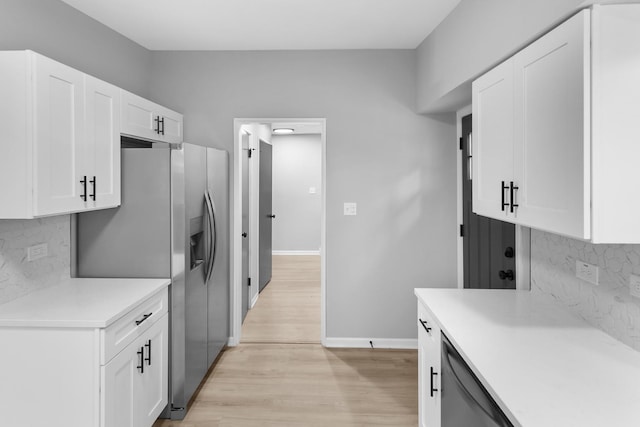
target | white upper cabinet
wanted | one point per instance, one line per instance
(574, 96)
(492, 143)
(144, 119)
(59, 152)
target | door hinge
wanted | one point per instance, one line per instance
(461, 143)
(461, 230)
(249, 281)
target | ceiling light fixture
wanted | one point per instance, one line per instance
(282, 131)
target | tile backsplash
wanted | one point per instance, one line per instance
(18, 276)
(608, 306)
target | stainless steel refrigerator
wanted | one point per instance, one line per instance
(173, 222)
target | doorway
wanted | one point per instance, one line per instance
(260, 129)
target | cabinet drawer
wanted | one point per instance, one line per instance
(130, 326)
(424, 316)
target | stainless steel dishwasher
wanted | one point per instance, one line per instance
(465, 401)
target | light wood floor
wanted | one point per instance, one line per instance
(281, 376)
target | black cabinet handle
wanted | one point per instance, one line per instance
(140, 360)
(244, 235)
(144, 317)
(148, 358)
(512, 191)
(271, 216)
(503, 203)
(93, 182)
(157, 129)
(424, 325)
(162, 130)
(433, 374)
(83, 181)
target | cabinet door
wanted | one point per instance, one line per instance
(58, 135)
(139, 116)
(552, 154)
(493, 136)
(171, 126)
(102, 143)
(428, 371)
(153, 395)
(120, 382)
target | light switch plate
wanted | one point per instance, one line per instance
(37, 251)
(350, 209)
(587, 272)
(634, 285)
(312, 190)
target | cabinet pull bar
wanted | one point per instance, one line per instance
(424, 325)
(512, 191)
(162, 131)
(503, 203)
(83, 181)
(93, 182)
(140, 360)
(157, 129)
(148, 358)
(144, 317)
(433, 373)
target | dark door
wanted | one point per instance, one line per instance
(489, 244)
(266, 215)
(246, 153)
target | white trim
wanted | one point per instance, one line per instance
(295, 253)
(401, 344)
(236, 243)
(465, 111)
(253, 301)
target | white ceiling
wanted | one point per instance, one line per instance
(270, 24)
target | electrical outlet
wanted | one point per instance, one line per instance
(634, 285)
(587, 272)
(350, 209)
(37, 251)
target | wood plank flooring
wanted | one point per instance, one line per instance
(281, 376)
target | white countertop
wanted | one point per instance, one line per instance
(543, 366)
(82, 303)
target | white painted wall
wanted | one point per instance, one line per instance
(54, 29)
(296, 170)
(397, 165)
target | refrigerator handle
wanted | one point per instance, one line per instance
(212, 235)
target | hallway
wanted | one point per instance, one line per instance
(280, 375)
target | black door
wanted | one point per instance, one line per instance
(489, 244)
(266, 214)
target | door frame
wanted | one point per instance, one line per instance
(523, 234)
(236, 221)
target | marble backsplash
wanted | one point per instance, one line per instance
(608, 306)
(18, 276)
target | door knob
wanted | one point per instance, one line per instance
(509, 252)
(244, 235)
(508, 275)
(271, 216)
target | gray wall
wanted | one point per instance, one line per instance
(60, 32)
(473, 38)
(56, 30)
(297, 161)
(398, 166)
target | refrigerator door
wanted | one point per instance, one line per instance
(198, 242)
(219, 283)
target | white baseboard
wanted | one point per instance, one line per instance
(295, 252)
(254, 300)
(404, 344)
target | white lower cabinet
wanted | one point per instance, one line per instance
(135, 383)
(429, 346)
(65, 375)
